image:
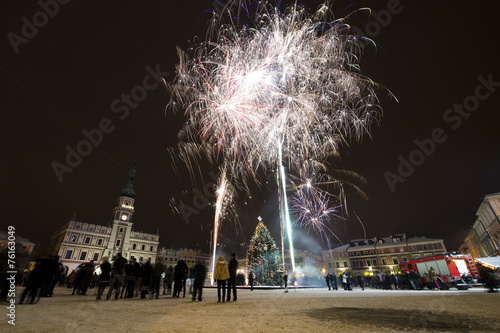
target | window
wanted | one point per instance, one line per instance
(83, 255)
(73, 239)
(401, 249)
(134, 246)
(425, 246)
(117, 242)
(151, 249)
(329, 265)
(439, 245)
(384, 262)
(143, 247)
(99, 242)
(395, 261)
(345, 263)
(337, 264)
(96, 256)
(360, 263)
(365, 253)
(368, 263)
(140, 259)
(121, 229)
(375, 263)
(87, 240)
(68, 254)
(381, 251)
(392, 250)
(353, 263)
(358, 253)
(404, 259)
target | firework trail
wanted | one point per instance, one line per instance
(285, 89)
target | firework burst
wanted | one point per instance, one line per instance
(285, 89)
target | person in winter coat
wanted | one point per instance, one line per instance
(333, 279)
(433, 278)
(180, 271)
(157, 272)
(327, 279)
(103, 280)
(169, 279)
(359, 280)
(231, 282)
(199, 273)
(250, 280)
(117, 272)
(147, 273)
(33, 284)
(221, 274)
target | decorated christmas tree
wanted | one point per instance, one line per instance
(263, 257)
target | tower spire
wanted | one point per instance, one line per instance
(128, 190)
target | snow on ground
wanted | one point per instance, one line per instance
(302, 310)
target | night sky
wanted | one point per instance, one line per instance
(71, 76)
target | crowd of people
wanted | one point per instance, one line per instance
(127, 279)
(386, 281)
(409, 280)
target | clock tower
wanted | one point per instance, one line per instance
(121, 222)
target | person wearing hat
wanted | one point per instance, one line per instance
(221, 274)
(104, 277)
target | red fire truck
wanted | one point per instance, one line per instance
(452, 269)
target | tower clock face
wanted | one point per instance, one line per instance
(124, 217)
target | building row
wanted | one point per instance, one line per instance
(379, 254)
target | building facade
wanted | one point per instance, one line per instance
(370, 256)
(483, 239)
(170, 257)
(78, 242)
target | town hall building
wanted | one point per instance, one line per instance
(78, 242)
